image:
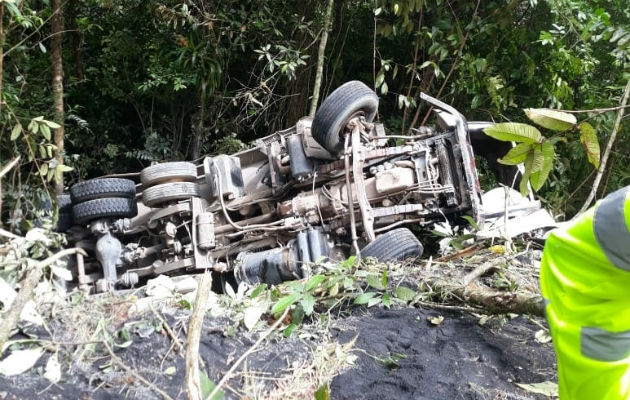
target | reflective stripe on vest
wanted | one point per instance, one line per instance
(611, 231)
(602, 345)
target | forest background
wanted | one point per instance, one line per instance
(93, 87)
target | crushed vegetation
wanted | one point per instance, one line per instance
(473, 311)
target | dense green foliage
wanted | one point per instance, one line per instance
(153, 80)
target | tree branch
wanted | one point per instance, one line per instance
(611, 140)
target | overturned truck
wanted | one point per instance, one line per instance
(327, 188)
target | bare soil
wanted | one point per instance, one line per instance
(399, 355)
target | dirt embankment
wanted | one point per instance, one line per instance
(395, 353)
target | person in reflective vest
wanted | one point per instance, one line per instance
(585, 281)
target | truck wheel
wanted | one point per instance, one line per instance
(168, 171)
(102, 187)
(395, 245)
(346, 101)
(104, 208)
(64, 216)
(166, 192)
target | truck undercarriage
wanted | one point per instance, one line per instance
(327, 188)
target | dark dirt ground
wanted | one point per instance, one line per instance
(459, 359)
(400, 355)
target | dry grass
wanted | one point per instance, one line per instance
(301, 381)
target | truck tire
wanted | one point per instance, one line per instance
(347, 100)
(102, 188)
(395, 245)
(64, 216)
(104, 208)
(169, 171)
(166, 192)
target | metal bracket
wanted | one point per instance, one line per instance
(358, 159)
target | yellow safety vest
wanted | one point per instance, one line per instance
(585, 280)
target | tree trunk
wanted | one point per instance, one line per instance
(298, 90)
(1, 54)
(320, 58)
(199, 131)
(76, 38)
(57, 83)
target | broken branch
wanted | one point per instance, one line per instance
(493, 301)
(481, 270)
(193, 384)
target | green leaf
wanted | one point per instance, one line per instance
(375, 282)
(364, 298)
(551, 119)
(289, 330)
(45, 131)
(33, 127)
(259, 289)
(15, 132)
(538, 178)
(588, 137)
(322, 393)
(207, 386)
(349, 262)
(314, 282)
(404, 293)
(537, 160)
(373, 301)
(387, 301)
(284, 302)
(516, 155)
(618, 33)
(43, 169)
(384, 278)
(514, 131)
(624, 41)
(64, 168)
(51, 124)
(472, 222)
(308, 302)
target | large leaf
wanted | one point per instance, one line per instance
(537, 160)
(516, 155)
(514, 131)
(404, 293)
(545, 156)
(588, 137)
(364, 298)
(314, 282)
(307, 304)
(551, 119)
(15, 132)
(284, 302)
